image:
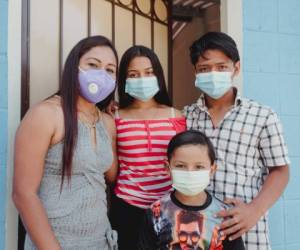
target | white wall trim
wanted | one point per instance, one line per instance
(232, 24)
(14, 100)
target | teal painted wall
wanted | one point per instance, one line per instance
(3, 116)
(272, 77)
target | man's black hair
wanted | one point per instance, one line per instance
(214, 41)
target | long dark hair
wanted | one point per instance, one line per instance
(69, 91)
(162, 96)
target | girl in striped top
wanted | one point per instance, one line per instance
(145, 124)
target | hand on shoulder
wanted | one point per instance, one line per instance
(178, 113)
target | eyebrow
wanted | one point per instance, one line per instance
(137, 70)
(226, 62)
(182, 162)
(111, 64)
(205, 65)
(98, 60)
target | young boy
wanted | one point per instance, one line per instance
(251, 153)
(185, 218)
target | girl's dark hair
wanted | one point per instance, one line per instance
(69, 91)
(162, 96)
(191, 137)
(214, 40)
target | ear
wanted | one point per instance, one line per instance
(167, 165)
(237, 68)
(213, 169)
(195, 71)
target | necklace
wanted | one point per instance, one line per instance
(90, 119)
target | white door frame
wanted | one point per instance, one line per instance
(14, 105)
(231, 23)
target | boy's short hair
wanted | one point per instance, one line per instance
(214, 41)
(191, 137)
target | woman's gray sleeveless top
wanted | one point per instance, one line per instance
(78, 214)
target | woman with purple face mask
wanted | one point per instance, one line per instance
(60, 176)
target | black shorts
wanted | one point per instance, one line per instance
(126, 219)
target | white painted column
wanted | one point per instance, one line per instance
(232, 24)
(14, 102)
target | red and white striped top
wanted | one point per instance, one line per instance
(142, 147)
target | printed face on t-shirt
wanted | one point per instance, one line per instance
(189, 235)
(156, 209)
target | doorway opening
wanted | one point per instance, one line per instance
(190, 20)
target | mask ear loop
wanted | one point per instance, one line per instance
(235, 71)
(81, 70)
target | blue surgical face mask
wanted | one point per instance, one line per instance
(143, 88)
(214, 84)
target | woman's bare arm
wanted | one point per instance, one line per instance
(31, 145)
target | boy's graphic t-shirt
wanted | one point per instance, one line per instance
(171, 225)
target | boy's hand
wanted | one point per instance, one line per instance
(238, 219)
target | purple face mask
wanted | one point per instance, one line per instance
(95, 84)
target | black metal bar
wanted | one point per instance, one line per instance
(152, 24)
(133, 22)
(140, 13)
(170, 50)
(89, 15)
(25, 54)
(60, 45)
(113, 36)
(25, 88)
